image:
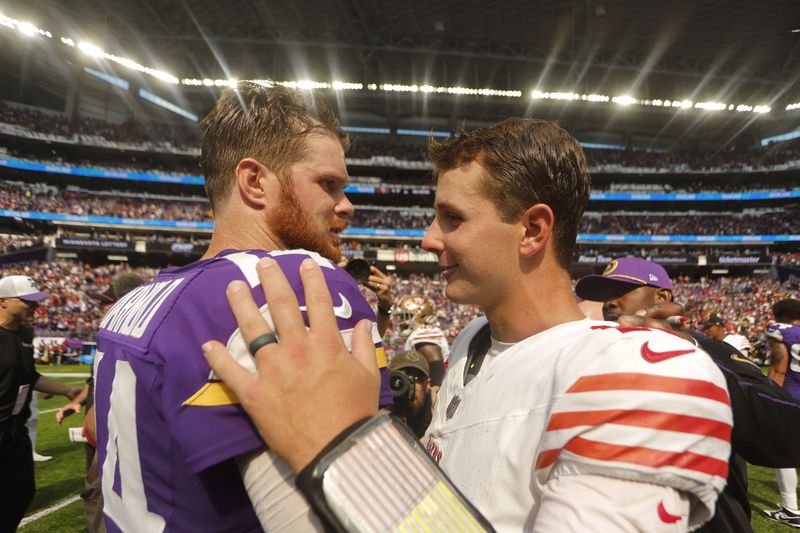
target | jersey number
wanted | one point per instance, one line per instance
(129, 508)
(794, 352)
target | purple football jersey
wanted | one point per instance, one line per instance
(167, 429)
(789, 335)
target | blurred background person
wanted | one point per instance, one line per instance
(784, 343)
(416, 317)
(19, 297)
(378, 282)
(413, 397)
(635, 291)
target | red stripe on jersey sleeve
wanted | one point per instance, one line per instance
(650, 382)
(686, 460)
(546, 458)
(642, 418)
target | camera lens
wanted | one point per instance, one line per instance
(359, 269)
(399, 383)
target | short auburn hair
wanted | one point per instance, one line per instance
(267, 123)
(527, 162)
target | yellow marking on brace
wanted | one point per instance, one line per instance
(212, 395)
(380, 355)
(439, 510)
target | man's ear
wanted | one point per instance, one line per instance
(538, 222)
(663, 295)
(252, 180)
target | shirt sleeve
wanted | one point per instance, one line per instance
(598, 503)
(774, 332)
(649, 408)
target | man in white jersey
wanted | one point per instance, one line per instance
(415, 314)
(546, 421)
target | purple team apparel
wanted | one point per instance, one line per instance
(167, 429)
(789, 335)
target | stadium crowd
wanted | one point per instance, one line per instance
(184, 137)
(742, 302)
(126, 132)
(41, 197)
(21, 196)
(69, 311)
(749, 223)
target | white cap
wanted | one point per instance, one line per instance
(22, 287)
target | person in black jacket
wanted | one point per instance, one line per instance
(766, 420)
(19, 297)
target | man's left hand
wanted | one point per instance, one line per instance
(664, 315)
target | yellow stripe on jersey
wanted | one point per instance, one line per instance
(217, 393)
(213, 394)
(380, 355)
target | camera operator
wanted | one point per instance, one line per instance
(375, 280)
(410, 381)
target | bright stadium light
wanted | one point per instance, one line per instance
(90, 49)
(30, 30)
(25, 28)
(710, 106)
(795, 105)
(347, 86)
(624, 100)
(96, 52)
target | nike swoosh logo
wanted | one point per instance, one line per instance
(666, 517)
(342, 310)
(656, 357)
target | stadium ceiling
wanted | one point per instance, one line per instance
(712, 50)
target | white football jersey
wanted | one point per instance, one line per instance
(429, 335)
(585, 397)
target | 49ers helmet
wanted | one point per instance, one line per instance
(414, 310)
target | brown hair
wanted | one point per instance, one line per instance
(786, 310)
(527, 162)
(266, 123)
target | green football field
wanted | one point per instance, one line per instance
(61, 478)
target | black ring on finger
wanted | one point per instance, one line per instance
(261, 341)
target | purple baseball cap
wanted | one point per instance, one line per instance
(620, 276)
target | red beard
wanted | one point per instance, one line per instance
(294, 227)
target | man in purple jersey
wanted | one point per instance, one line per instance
(176, 451)
(784, 343)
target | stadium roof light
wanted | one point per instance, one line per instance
(25, 28)
(392, 87)
(793, 106)
(90, 49)
(347, 86)
(95, 51)
(624, 100)
(711, 106)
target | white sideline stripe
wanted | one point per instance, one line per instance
(53, 508)
(66, 374)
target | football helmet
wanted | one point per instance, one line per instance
(414, 311)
